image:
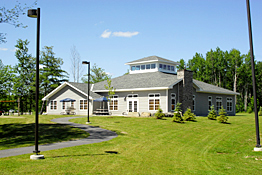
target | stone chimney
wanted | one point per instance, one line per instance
(185, 88)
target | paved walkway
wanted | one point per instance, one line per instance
(96, 135)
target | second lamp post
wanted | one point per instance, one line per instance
(88, 89)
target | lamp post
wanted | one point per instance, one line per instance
(258, 146)
(35, 13)
(88, 79)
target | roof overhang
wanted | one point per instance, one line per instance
(135, 89)
(61, 87)
(215, 92)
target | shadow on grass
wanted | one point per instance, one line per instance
(16, 134)
(78, 155)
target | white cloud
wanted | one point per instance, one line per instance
(106, 34)
(4, 49)
(125, 34)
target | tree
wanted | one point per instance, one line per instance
(6, 80)
(52, 75)
(212, 115)
(10, 16)
(178, 114)
(182, 64)
(222, 118)
(97, 75)
(76, 66)
(25, 70)
(189, 116)
(111, 90)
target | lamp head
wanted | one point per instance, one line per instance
(32, 13)
(85, 62)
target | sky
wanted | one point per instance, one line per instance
(110, 33)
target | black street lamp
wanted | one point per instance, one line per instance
(35, 13)
(88, 79)
(258, 146)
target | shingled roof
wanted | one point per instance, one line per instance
(151, 59)
(155, 80)
(84, 88)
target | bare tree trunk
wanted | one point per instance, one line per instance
(245, 100)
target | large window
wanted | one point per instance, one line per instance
(166, 67)
(218, 103)
(229, 104)
(113, 104)
(53, 105)
(154, 101)
(194, 103)
(64, 104)
(209, 102)
(173, 101)
(83, 104)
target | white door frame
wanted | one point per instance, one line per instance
(132, 100)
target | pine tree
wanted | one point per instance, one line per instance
(212, 115)
(177, 114)
(189, 116)
(222, 118)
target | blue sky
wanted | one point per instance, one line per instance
(111, 33)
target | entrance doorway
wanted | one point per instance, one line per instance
(132, 105)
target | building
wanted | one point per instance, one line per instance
(152, 82)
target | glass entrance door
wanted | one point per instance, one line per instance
(133, 106)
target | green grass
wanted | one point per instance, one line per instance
(19, 132)
(150, 146)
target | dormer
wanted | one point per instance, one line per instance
(152, 64)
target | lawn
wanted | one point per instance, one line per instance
(150, 146)
(19, 131)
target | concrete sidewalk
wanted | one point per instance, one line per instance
(96, 135)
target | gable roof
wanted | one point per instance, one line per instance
(80, 87)
(152, 59)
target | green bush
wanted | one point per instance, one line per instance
(212, 115)
(249, 109)
(222, 118)
(189, 116)
(159, 114)
(260, 111)
(178, 114)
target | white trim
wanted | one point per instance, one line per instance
(171, 98)
(132, 99)
(211, 102)
(154, 98)
(215, 92)
(53, 105)
(231, 101)
(194, 100)
(114, 98)
(135, 89)
(153, 61)
(219, 101)
(61, 87)
(83, 104)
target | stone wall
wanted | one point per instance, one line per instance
(185, 89)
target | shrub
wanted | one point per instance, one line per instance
(260, 111)
(249, 109)
(177, 114)
(222, 118)
(212, 115)
(159, 114)
(189, 116)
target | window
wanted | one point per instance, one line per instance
(83, 104)
(160, 66)
(168, 67)
(209, 102)
(143, 67)
(164, 66)
(132, 96)
(63, 105)
(133, 68)
(113, 104)
(173, 101)
(148, 66)
(53, 105)
(194, 103)
(154, 101)
(218, 103)
(72, 104)
(229, 104)
(137, 67)
(172, 68)
(153, 66)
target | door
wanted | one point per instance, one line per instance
(132, 106)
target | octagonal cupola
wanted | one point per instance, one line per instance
(152, 64)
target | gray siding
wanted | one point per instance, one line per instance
(68, 92)
(201, 102)
(143, 101)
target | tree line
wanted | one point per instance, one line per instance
(230, 70)
(18, 82)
